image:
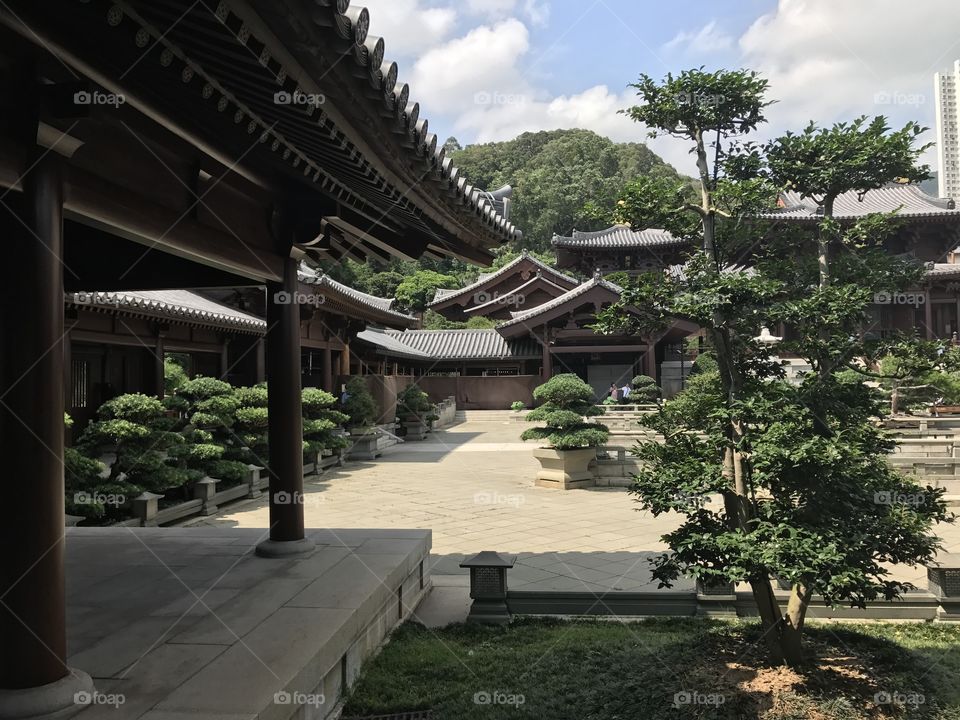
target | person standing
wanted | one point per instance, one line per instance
(625, 393)
(614, 391)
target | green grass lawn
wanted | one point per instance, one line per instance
(661, 668)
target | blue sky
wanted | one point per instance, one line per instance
(487, 70)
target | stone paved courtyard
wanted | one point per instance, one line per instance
(472, 485)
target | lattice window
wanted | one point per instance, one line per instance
(79, 383)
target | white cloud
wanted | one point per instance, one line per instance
(536, 11)
(449, 77)
(409, 27)
(708, 39)
(831, 61)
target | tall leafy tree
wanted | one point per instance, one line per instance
(806, 494)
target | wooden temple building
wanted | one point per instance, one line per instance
(543, 315)
(158, 146)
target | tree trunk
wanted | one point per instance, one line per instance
(791, 634)
(771, 619)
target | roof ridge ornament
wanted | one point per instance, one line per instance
(596, 275)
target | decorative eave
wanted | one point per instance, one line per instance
(336, 297)
(178, 306)
(445, 297)
(212, 72)
(511, 296)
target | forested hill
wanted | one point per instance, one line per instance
(556, 175)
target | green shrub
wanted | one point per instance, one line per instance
(209, 437)
(608, 401)
(136, 429)
(644, 389)
(174, 376)
(359, 406)
(565, 401)
(248, 440)
(414, 402)
(321, 421)
(517, 405)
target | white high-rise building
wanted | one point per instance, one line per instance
(945, 87)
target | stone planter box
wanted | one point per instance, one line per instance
(363, 446)
(565, 469)
(415, 428)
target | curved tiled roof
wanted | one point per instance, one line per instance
(943, 270)
(907, 200)
(442, 294)
(388, 343)
(467, 344)
(514, 295)
(618, 236)
(382, 305)
(180, 305)
(313, 88)
(595, 281)
(352, 23)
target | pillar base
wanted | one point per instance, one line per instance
(46, 701)
(285, 548)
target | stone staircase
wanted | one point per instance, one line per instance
(497, 416)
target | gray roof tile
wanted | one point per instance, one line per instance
(182, 305)
(469, 344)
(618, 236)
(908, 200)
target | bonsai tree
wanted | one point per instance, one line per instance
(88, 493)
(359, 405)
(321, 422)
(518, 405)
(174, 375)
(644, 389)
(412, 402)
(565, 401)
(250, 425)
(136, 430)
(211, 443)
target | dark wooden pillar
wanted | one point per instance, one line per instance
(650, 361)
(225, 358)
(345, 359)
(928, 317)
(158, 364)
(547, 365)
(327, 368)
(285, 429)
(33, 608)
(261, 369)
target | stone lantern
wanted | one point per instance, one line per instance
(488, 587)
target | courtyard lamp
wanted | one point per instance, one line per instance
(488, 587)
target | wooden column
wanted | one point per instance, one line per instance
(327, 368)
(345, 360)
(33, 612)
(261, 370)
(547, 365)
(650, 361)
(928, 317)
(159, 369)
(224, 358)
(285, 428)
